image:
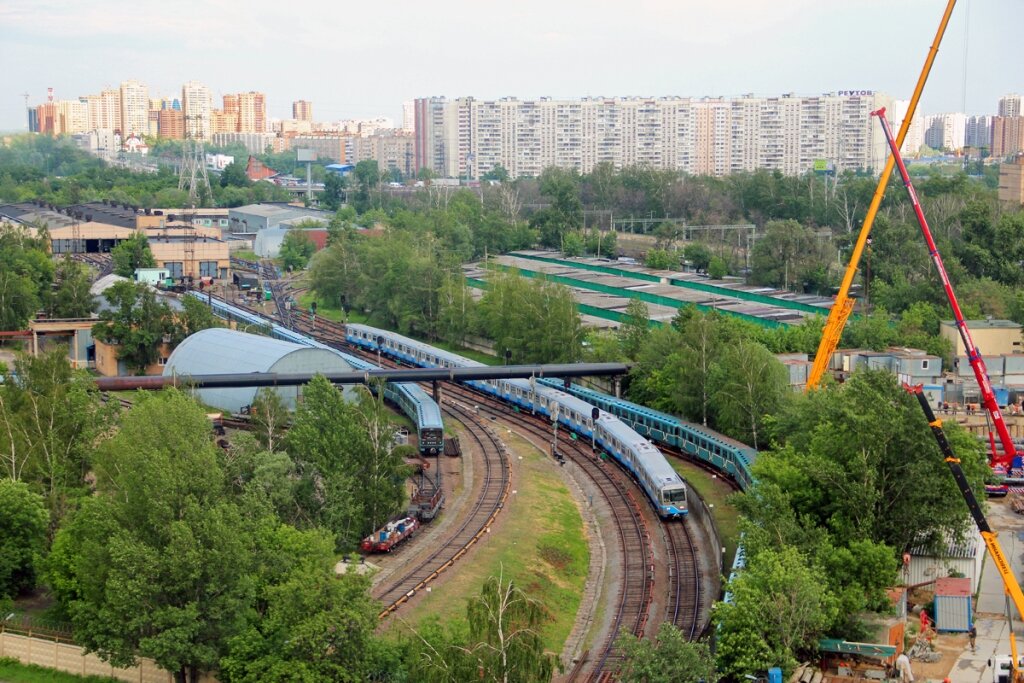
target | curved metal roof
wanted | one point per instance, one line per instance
(220, 350)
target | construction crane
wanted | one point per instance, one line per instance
(843, 305)
(1004, 668)
(988, 397)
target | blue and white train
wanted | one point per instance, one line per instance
(414, 402)
(726, 455)
(662, 485)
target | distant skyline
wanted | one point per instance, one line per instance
(361, 60)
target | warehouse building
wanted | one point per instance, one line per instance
(220, 351)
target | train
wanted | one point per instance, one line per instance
(725, 455)
(417, 404)
(661, 484)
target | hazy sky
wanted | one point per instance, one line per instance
(363, 58)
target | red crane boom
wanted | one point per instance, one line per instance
(988, 397)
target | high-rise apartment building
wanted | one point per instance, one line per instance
(134, 105)
(1007, 135)
(171, 124)
(196, 108)
(302, 110)
(945, 131)
(252, 112)
(710, 136)
(979, 132)
(104, 110)
(1011, 105)
(914, 140)
(409, 116)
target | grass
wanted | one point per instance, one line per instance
(246, 255)
(715, 491)
(539, 544)
(13, 671)
(325, 310)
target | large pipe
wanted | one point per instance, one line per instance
(274, 379)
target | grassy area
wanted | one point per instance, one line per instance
(246, 255)
(540, 545)
(13, 671)
(715, 492)
(472, 354)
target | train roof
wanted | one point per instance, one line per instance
(453, 358)
(428, 410)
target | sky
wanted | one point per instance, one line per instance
(363, 59)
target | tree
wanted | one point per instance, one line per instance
(234, 175)
(503, 643)
(26, 272)
(701, 346)
(749, 385)
(50, 419)
(137, 323)
(334, 191)
(573, 244)
(296, 248)
(131, 254)
(565, 214)
(668, 658)
(457, 309)
(699, 256)
(780, 608)
(635, 329)
(718, 268)
(269, 416)
(72, 298)
(23, 524)
(312, 626)
(160, 533)
(785, 254)
(660, 259)
(195, 316)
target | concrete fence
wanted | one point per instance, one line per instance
(55, 653)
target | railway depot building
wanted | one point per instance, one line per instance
(183, 249)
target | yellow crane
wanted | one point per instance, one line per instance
(843, 305)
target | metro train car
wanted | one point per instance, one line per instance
(662, 485)
(724, 454)
(417, 404)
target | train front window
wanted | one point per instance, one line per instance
(674, 495)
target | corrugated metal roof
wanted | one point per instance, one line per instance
(220, 350)
(950, 548)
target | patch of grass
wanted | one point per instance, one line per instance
(539, 544)
(246, 255)
(715, 491)
(13, 671)
(472, 354)
(331, 312)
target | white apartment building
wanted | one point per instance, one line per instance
(103, 110)
(946, 131)
(914, 140)
(466, 137)
(196, 104)
(1011, 105)
(134, 99)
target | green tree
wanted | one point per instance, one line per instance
(72, 298)
(565, 213)
(749, 385)
(194, 317)
(701, 346)
(786, 253)
(457, 309)
(635, 329)
(160, 533)
(131, 254)
(23, 524)
(503, 642)
(137, 323)
(269, 416)
(660, 259)
(26, 273)
(573, 244)
(50, 418)
(780, 608)
(718, 268)
(234, 175)
(296, 248)
(334, 191)
(668, 658)
(699, 256)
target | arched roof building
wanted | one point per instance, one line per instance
(219, 351)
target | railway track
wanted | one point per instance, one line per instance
(634, 596)
(497, 480)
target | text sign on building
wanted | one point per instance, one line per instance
(856, 93)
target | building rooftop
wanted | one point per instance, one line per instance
(986, 324)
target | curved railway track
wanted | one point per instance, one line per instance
(497, 480)
(634, 596)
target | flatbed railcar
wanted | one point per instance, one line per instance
(662, 485)
(417, 404)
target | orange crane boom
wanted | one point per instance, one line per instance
(843, 305)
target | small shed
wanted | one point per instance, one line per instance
(953, 558)
(953, 607)
(152, 276)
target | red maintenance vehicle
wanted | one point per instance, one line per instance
(1002, 463)
(385, 539)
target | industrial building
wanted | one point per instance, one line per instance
(252, 218)
(219, 351)
(992, 337)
